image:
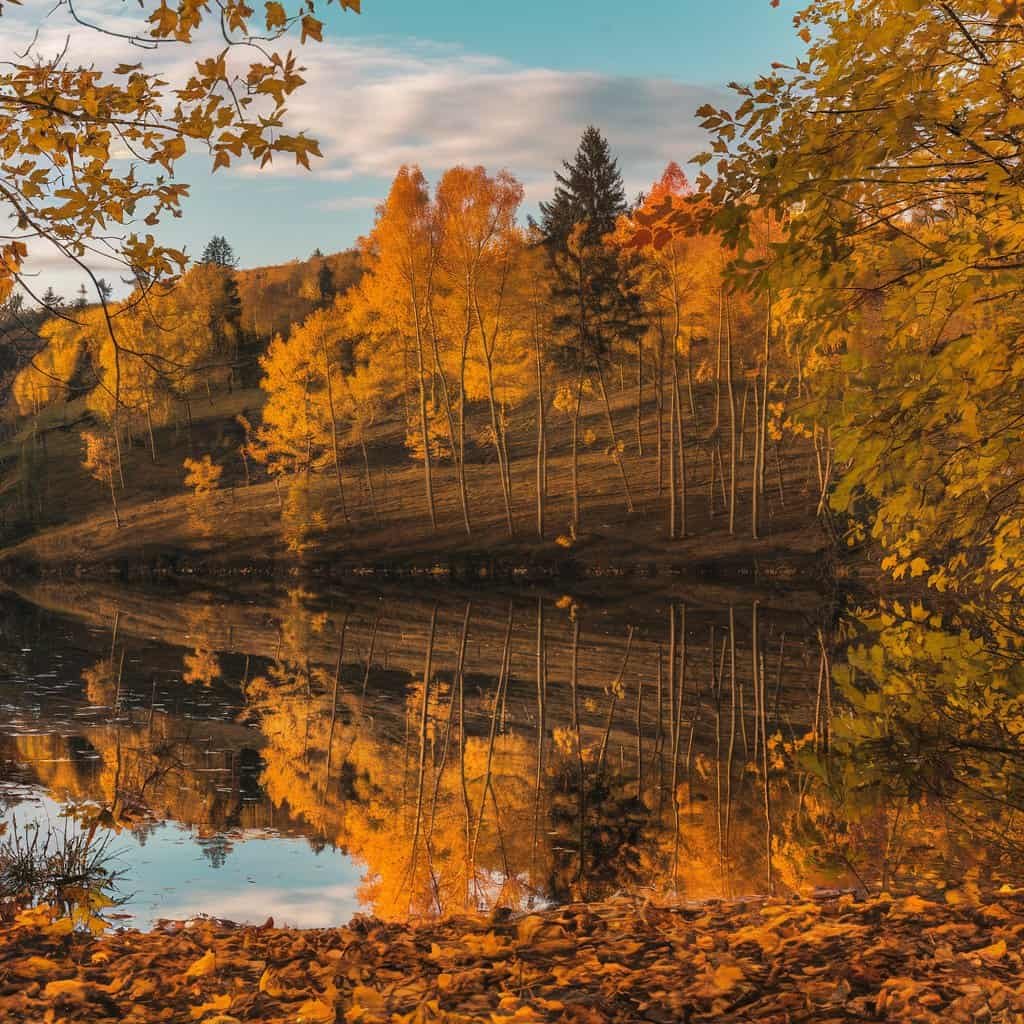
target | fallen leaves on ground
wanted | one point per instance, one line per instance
(774, 961)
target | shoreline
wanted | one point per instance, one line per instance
(938, 958)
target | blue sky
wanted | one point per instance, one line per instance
(508, 85)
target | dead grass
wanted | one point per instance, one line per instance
(242, 524)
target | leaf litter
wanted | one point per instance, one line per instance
(837, 959)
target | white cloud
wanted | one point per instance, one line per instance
(375, 107)
(342, 204)
(376, 104)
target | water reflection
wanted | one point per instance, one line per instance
(434, 752)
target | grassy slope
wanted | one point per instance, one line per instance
(242, 524)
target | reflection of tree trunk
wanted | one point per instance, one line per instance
(460, 682)
(758, 668)
(659, 728)
(334, 700)
(676, 711)
(541, 714)
(616, 686)
(639, 738)
(732, 727)
(423, 753)
(503, 674)
(581, 788)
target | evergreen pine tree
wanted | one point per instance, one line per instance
(325, 284)
(596, 300)
(218, 253)
(589, 192)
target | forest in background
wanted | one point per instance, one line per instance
(533, 376)
(825, 323)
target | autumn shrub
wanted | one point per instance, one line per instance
(70, 869)
(202, 475)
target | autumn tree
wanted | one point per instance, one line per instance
(66, 124)
(596, 302)
(890, 155)
(203, 476)
(100, 459)
(392, 301)
(679, 282)
(480, 246)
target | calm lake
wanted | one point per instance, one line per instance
(419, 750)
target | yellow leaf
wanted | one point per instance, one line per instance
(914, 905)
(276, 17)
(175, 148)
(205, 965)
(311, 27)
(726, 977)
(71, 988)
(38, 965)
(270, 983)
(315, 1011)
(529, 926)
(142, 988)
(994, 952)
(215, 1005)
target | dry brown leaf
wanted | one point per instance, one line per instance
(216, 1005)
(204, 966)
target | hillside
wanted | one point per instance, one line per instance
(252, 524)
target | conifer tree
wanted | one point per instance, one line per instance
(218, 253)
(589, 192)
(596, 301)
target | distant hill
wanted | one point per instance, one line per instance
(274, 298)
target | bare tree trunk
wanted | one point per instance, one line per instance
(640, 396)
(457, 447)
(672, 493)
(677, 426)
(329, 377)
(659, 394)
(542, 441)
(113, 500)
(575, 524)
(149, 428)
(743, 422)
(732, 423)
(616, 454)
(424, 427)
(369, 479)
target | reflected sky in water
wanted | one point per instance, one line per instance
(277, 754)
